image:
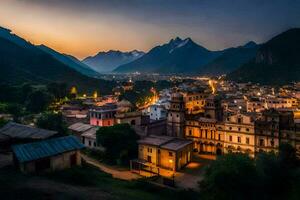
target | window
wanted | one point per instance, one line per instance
(230, 138)
(170, 153)
(190, 132)
(261, 142)
(149, 150)
(247, 129)
(239, 139)
(247, 140)
(239, 120)
(90, 143)
(158, 151)
(230, 128)
(239, 129)
(219, 137)
(272, 143)
(95, 144)
(177, 116)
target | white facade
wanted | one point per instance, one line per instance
(157, 112)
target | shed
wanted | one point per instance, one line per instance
(48, 155)
(14, 130)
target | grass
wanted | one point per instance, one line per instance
(88, 177)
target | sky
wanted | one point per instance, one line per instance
(85, 27)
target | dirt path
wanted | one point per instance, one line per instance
(124, 175)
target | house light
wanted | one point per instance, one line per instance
(170, 161)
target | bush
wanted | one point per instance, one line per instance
(120, 143)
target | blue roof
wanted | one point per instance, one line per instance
(46, 148)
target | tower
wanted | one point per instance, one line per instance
(213, 108)
(176, 116)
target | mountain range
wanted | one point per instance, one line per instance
(276, 62)
(20, 62)
(70, 61)
(187, 57)
(110, 60)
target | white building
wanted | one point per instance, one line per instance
(157, 112)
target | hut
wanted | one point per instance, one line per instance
(48, 155)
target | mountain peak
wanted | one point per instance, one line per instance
(250, 44)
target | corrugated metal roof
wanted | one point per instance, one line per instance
(20, 131)
(46, 148)
(80, 127)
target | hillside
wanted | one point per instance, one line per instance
(231, 59)
(177, 56)
(19, 64)
(70, 61)
(276, 62)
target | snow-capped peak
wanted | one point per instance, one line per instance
(180, 44)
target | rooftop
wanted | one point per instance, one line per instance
(176, 144)
(165, 142)
(80, 127)
(20, 131)
(46, 148)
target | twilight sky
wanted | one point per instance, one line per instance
(84, 27)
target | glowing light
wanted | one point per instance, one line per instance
(170, 161)
(84, 95)
(95, 95)
(211, 83)
(73, 90)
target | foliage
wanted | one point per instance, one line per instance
(52, 121)
(231, 176)
(38, 101)
(16, 110)
(268, 176)
(2, 122)
(120, 143)
(58, 90)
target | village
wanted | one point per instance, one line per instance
(170, 139)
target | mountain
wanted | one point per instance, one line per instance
(277, 61)
(22, 62)
(231, 59)
(108, 61)
(177, 56)
(70, 61)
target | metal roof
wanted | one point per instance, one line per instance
(80, 127)
(46, 148)
(20, 131)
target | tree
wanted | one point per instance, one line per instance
(38, 101)
(16, 110)
(52, 121)
(58, 90)
(120, 143)
(232, 176)
(2, 122)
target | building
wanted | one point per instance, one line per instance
(157, 112)
(176, 116)
(194, 102)
(163, 152)
(79, 128)
(103, 116)
(239, 134)
(132, 118)
(202, 131)
(13, 133)
(48, 155)
(89, 138)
